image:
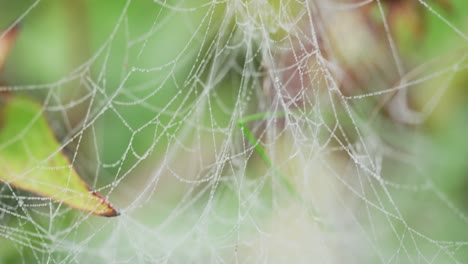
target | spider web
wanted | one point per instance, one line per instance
(240, 131)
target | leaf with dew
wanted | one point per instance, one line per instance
(30, 155)
(31, 159)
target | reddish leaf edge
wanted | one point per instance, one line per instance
(7, 39)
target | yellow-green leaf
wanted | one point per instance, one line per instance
(31, 159)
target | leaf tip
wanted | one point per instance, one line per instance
(109, 211)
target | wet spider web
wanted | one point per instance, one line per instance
(240, 131)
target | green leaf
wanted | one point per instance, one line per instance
(31, 160)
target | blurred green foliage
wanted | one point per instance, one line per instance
(57, 37)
